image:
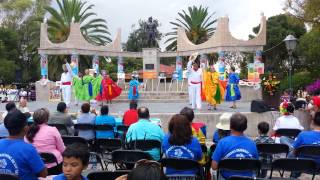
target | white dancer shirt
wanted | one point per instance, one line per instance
(194, 80)
(66, 76)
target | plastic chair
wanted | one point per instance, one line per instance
(49, 158)
(145, 145)
(308, 150)
(96, 159)
(294, 165)
(84, 127)
(68, 140)
(239, 165)
(125, 159)
(292, 133)
(62, 128)
(106, 175)
(182, 164)
(8, 177)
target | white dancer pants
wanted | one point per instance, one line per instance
(66, 94)
(195, 90)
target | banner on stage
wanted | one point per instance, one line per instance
(55, 93)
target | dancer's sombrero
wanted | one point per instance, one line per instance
(193, 56)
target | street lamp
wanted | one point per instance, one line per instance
(291, 43)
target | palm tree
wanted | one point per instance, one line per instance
(94, 30)
(197, 23)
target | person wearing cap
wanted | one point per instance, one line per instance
(195, 81)
(109, 90)
(133, 88)
(16, 156)
(223, 127)
(66, 81)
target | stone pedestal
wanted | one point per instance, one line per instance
(43, 91)
(151, 63)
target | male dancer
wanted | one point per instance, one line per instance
(195, 80)
(66, 79)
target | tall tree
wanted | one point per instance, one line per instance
(307, 11)
(93, 29)
(278, 27)
(198, 24)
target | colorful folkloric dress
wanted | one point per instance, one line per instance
(214, 89)
(86, 88)
(133, 90)
(108, 90)
(233, 91)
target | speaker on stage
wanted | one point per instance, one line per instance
(259, 106)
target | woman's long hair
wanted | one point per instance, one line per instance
(40, 116)
(180, 130)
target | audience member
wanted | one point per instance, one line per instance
(9, 108)
(86, 117)
(237, 145)
(180, 140)
(23, 105)
(105, 119)
(131, 115)
(223, 127)
(263, 138)
(61, 116)
(144, 129)
(196, 131)
(46, 139)
(287, 121)
(16, 156)
(263, 129)
(146, 170)
(75, 160)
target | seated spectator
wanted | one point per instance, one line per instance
(61, 116)
(23, 105)
(46, 139)
(105, 119)
(263, 129)
(5, 100)
(144, 129)
(235, 146)
(75, 160)
(131, 116)
(223, 127)
(146, 170)
(196, 131)
(86, 117)
(180, 140)
(16, 156)
(10, 106)
(287, 121)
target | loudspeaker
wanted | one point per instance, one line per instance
(259, 106)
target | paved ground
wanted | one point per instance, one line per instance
(154, 107)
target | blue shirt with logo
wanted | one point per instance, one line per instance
(63, 177)
(102, 120)
(308, 138)
(20, 158)
(235, 147)
(190, 151)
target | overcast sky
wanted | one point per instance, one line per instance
(243, 14)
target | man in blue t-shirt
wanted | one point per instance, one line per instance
(310, 137)
(235, 146)
(16, 156)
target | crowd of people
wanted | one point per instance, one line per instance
(22, 143)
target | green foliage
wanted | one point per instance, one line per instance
(197, 23)
(138, 37)
(278, 27)
(309, 48)
(299, 81)
(132, 64)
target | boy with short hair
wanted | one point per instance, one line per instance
(263, 129)
(16, 156)
(75, 160)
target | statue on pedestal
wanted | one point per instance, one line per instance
(151, 32)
